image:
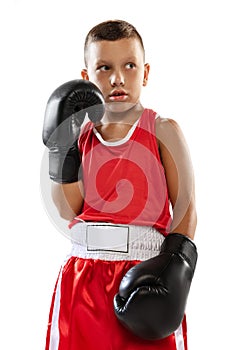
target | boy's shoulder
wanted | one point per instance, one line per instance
(167, 128)
(162, 122)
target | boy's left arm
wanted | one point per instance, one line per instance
(178, 168)
(153, 294)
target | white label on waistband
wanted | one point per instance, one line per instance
(107, 238)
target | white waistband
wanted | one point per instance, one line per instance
(106, 241)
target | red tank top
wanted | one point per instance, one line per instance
(124, 181)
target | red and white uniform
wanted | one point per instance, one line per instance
(124, 180)
(125, 194)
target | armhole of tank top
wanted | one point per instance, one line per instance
(157, 116)
(88, 126)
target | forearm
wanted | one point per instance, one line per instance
(185, 221)
(68, 198)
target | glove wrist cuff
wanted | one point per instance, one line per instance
(180, 244)
(64, 166)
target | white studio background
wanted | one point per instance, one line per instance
(188, 44)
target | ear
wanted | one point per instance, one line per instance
(146, 73)
(84, 74)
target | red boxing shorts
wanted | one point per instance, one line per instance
(82, 315)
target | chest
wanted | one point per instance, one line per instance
(113, 132)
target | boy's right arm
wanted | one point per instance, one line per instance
(68, 198)
(64, 116)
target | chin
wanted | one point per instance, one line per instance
(119, 107)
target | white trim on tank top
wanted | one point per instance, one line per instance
(119, 142)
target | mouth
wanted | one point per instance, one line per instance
(118, 95)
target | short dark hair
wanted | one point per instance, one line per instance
(111, 30)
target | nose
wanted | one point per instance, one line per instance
(117, 78)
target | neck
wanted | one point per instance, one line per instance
(122, 113)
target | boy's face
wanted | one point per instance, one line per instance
(118, 69)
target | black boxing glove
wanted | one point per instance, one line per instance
(64, 115)
(152, 295)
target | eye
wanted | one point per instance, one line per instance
(130, 65)
(103, 68)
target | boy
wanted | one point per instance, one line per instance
(135, 166)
